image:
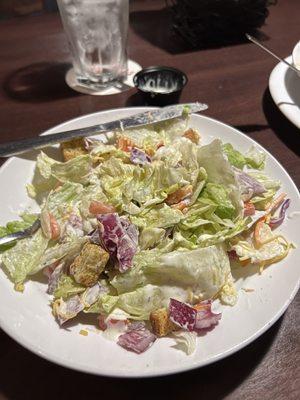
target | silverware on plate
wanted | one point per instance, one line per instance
(145, 118)
(21, 234)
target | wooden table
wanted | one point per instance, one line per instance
(234, 82)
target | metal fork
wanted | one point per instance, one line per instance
(265, 48)
(21, 234)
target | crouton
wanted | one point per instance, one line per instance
(192, 135)
(161, 323)
(89, 264)
(73, 148)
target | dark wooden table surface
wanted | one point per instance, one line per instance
(234, 82)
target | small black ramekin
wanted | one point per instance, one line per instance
(160, 85)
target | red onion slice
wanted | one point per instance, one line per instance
(137, 339)
(120, 238)
(276, 221)
(138, 156)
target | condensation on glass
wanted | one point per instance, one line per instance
(97, 34)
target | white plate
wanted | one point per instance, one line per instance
(284, 86)
(27, 317)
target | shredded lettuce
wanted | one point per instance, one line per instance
(164, 132)
(149, 237)
(161, 216)
(133, 188)
(220, 172)
(25, 257)
(67, 287)
(141, 302)
(66, 250)
(234, 156)
(102, 152)
(270, 184)
(228, 294)
(135, 277)
(202, 226)
(219, 197)
(49, 174)
(253, 158)
(203, 270)
(137, 304)
(75, 170)
(185, 341)
(60, 201)
(15, 226)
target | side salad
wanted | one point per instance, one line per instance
(143, 230)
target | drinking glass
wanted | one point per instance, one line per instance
(97, 35)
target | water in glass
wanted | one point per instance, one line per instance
(97, 34)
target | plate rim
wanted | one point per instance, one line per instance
(280, 70)
(171, 370)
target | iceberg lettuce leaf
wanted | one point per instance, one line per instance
(153, 135)
(138, 304)
(75, 170)
(204, 270)
(25, 257)
(67, 287)
(272, 186)
(201, 271)
(220, 196)
(161, 216)
(220, 172)
(141, 302)
(149, 237)
(102, 152)
(255, 158)
(104, 305)
(15, 226)
(60, 201)
(234, 156)
(49, 173)
(42, 181)
(135, 277)
(206, 238)
(185, 341)
(67, 251)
